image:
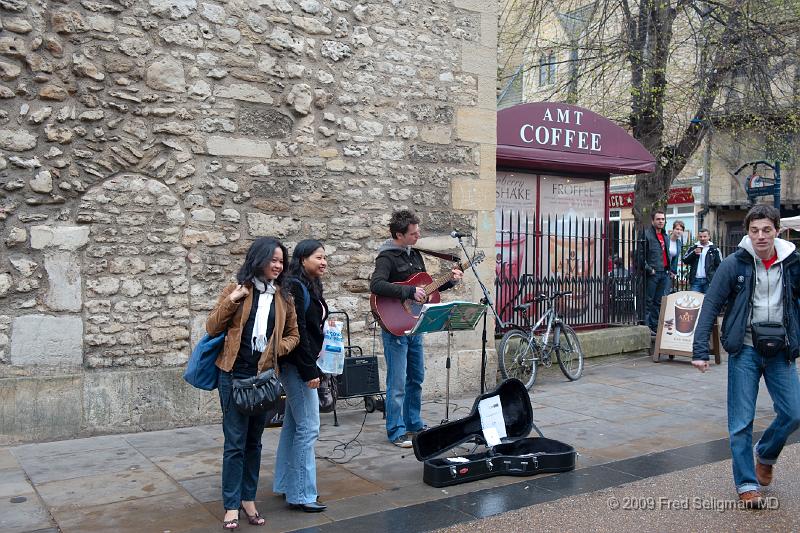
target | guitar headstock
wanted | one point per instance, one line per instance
(476, 259)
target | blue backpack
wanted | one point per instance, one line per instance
(201, 371)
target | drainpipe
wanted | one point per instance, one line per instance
(706, 178)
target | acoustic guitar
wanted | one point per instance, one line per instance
(398, 316)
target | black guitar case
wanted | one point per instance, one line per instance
(516, 455)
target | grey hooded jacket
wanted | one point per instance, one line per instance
(774, 294)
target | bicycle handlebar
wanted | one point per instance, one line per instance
(541, 298)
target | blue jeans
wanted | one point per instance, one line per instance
(241, 456)
(295, 463)
(656, 285)
(699, 285)
(744, 373)
(405, 371)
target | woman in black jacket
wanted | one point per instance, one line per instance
(295, 463)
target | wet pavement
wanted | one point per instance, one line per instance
(632, 421)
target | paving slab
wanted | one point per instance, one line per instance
(82, 464)
(176, 512)
(23, 512)
(102, 489)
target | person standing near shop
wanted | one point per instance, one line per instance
(405, 363)
(653, 259)
(703, 259)
(675, 248)
(760, 286)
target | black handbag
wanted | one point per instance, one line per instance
(327, 393)
(258, 394)
(769, 338)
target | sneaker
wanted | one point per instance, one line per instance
(752, 499)
(402, 442)
(763, 474)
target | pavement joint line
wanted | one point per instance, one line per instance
(387, 517)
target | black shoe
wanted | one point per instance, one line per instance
(313, 507)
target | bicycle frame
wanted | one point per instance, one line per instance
(552, 320)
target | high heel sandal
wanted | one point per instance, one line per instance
(230, 525)
(254, 519)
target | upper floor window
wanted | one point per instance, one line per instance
(547, 69)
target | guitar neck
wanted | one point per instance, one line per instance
(441, 279)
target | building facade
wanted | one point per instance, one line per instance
(144, 144)
(573, 53)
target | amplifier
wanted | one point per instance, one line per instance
(360, 377)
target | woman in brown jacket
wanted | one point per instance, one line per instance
(258, 314)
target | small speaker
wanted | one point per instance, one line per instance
(360, 377)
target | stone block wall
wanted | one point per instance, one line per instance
(145, 143)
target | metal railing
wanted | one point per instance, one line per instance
(546, 254)
(594, 260)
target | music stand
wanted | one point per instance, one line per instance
(449, 317)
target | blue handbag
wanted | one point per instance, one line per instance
(201, 372)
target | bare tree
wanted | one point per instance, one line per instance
(669, 70)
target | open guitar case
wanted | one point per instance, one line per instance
(516, 455)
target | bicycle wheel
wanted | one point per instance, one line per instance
(569, 353)
(517, 358)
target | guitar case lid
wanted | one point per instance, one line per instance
(517, 415)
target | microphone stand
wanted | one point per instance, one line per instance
(486, 300)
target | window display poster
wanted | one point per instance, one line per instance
(515, 223)
(573, 211)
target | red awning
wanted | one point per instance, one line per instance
(555, 137)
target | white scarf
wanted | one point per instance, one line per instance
(259, 341)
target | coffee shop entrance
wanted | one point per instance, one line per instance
(554, 162)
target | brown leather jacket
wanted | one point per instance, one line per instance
(230, 316)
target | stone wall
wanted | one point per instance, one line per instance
(145, 143)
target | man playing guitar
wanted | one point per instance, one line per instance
(405, 365)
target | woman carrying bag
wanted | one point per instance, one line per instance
(675, 250)
(261, 325)
(295, 462)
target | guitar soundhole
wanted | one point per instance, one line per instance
(413, 308)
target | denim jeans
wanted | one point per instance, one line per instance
(295, 463)
(405, 371)
(699, 285)
(241, 456)
(744, 373)
(656, 285)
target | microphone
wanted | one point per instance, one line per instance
(457, 234)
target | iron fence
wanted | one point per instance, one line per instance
(545, 254)
(594, 260)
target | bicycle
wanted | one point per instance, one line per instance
(520, 352)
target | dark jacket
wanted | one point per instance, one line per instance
(726, 288)
(230, 316)
(650, 256)
(310, 324)
(713, 260)
(393, 264)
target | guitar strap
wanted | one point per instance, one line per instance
(440, 255)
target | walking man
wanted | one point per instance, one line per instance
(703, 259)
(654, 262)
(405, 363)
(760, 284)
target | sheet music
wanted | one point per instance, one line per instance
(491, 413)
